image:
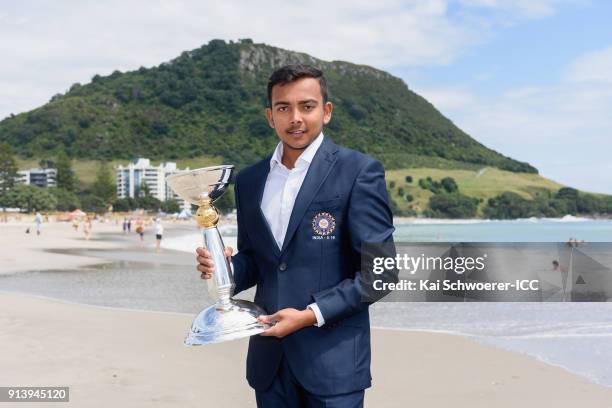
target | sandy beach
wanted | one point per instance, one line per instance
(24, 252)
(116, 357)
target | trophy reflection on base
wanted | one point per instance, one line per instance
(227, 319)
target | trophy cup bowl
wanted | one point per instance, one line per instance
(227, 319)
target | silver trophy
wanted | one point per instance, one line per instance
(227, 319)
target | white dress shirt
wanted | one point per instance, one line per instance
(281, 189)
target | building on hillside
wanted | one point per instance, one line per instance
(140, 174)
(38, 177)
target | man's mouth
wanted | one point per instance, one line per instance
(297, 132)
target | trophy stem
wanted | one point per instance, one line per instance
(222, 285)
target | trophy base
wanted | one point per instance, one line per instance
(217, 323)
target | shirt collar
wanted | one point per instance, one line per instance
(303, 160)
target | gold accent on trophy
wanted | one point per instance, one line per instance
(207, 215)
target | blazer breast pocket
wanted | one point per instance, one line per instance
(325, 204)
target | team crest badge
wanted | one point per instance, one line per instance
(323, 224)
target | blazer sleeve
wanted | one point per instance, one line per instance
(369, 221)
(245, 269)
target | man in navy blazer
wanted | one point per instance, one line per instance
(303, 215)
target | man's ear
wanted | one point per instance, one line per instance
(268, 113)
(327, 112)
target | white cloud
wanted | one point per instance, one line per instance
(523, 8)
(448, 99)
(565, 129)
(49, 46)
(595, 66)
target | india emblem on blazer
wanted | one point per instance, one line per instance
(323, 224)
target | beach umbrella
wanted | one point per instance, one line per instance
(76, 213)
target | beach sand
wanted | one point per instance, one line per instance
(22, 252)
(113, 357)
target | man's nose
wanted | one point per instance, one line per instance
(295, 116)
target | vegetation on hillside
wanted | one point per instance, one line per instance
(209, 101)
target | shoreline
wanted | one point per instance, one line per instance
(477, 339)
(58, 236)
(434, 221)
(136, 359)
(386, 342)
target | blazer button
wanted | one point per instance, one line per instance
(282, 267)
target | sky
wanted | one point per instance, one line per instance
(531, 79)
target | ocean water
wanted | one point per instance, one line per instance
(575, 336)
(524, 230)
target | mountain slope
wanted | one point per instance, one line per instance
(209, 101)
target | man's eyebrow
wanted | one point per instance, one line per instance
(299, 103)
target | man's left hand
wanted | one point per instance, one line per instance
(286, 321)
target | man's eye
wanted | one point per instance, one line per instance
(282, 109)
(308, 107)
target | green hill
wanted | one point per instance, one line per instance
(482, 184)
(209, 101)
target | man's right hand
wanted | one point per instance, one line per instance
(205, 263)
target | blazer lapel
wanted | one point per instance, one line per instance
(319, 169)
(259, 183)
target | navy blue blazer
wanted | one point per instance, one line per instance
(319, 262)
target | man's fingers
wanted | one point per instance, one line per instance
(271, 319)
(205, 261)
(272, 331)
(205, 264)
(203, 252)
(205, 269)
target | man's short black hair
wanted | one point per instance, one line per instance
(293, 72)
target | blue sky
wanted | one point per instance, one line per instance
(531, 79)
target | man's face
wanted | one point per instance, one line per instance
(298, 112)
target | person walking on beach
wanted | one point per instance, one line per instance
(38, 219)
(87, 228)
(303, 214)
(129, 225)
(159, 232)
(140, 229)
(125, 225)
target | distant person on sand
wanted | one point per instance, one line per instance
(87, 228)
(125, 225)
(140, 229)
(159, 231)
(38, 219)
(129, 225)
(574, 242)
